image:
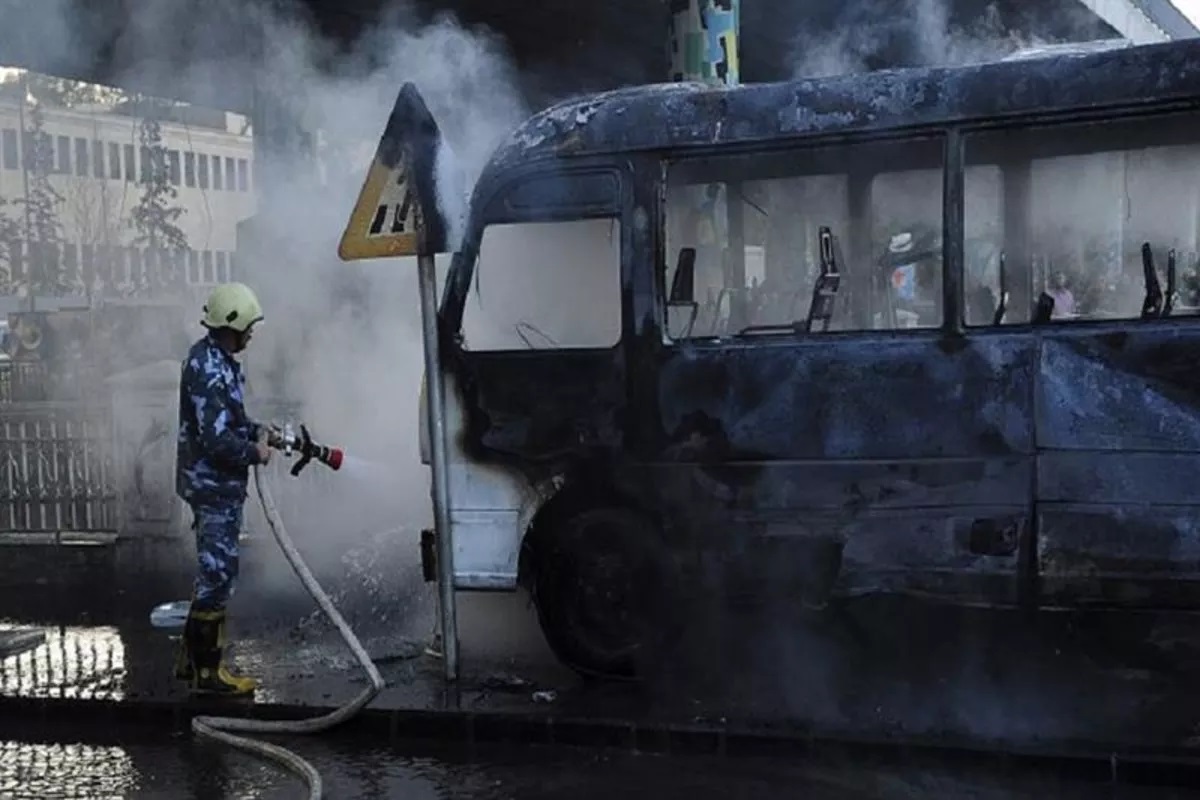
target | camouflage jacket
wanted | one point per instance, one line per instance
(216, 437)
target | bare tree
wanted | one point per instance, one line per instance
(10, 243)
(44, 234)
(155, 216)
(95, 209)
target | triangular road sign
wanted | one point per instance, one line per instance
(398, 202)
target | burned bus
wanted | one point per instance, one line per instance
(925, 333)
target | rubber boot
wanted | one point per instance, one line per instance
(211, 675)
(185, 666)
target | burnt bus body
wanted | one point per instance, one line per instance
(646, 403)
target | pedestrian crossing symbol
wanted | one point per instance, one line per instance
(396, 214)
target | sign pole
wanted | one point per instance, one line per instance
(397, 216)
(439, 465)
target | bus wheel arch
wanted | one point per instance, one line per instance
(595, 564)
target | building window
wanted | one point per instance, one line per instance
(17, 258)
(193, 266)
(81, 157)
(202, 169)
(208, 266)
(85, 261)
(173, 166)
(230, 174)
(147, 163)
(231, 275)
(97, 158)
(130, 167)
(149, 262)
(70, 261)
(64, 154)
(189, 169)
(243, 175)
(114, 161)
(222, 268)
(10, 149)
(216, 174)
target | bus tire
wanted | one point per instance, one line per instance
(600, 579)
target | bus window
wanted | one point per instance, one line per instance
(754, 222)
(906, 230)
(546, 285)
(1069, 208)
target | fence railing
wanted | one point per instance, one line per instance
(56, 468)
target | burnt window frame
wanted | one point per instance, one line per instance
(792, 150)
(1016, 132)
(494, 205)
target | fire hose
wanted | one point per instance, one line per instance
(225, 729)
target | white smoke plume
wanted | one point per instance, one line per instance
(340, 341)
(913, 33)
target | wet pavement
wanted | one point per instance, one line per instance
(878, 671)
(129, 763)
(139, 766)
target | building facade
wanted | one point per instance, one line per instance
(100, 169)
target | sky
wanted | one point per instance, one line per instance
(1190, 9)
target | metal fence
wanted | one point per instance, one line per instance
(59, 471)
(56, 469)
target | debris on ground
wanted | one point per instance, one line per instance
(506, 682)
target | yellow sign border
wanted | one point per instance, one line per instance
(355, 243)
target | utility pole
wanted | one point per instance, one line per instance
(26, 153)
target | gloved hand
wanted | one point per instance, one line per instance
(274, 435)
(263, 445)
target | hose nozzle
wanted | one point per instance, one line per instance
(286, 440)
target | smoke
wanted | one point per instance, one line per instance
(865, 36)
(341, 343)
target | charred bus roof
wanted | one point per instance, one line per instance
(695, 116)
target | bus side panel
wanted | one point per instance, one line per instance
(1118, 431)
(915, 454)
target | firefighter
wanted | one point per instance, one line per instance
(217, 444)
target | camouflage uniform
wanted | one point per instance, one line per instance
(215, 451)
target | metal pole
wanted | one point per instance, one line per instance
(26, 153)
(436, 413)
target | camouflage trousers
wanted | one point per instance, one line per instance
(217, 529)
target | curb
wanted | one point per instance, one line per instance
(21, 718)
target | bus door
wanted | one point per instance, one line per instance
(537, 371)
(1103, 217)
(875, 454)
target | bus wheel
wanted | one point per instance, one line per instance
(599, 580)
